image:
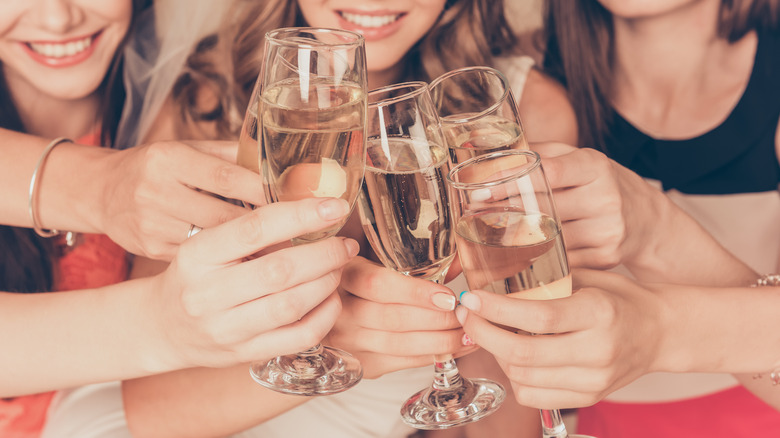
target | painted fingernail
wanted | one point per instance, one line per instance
(466, 340)
(470, 301)
(444, 301)
(461, 313)
(330, 209)
(353, 248)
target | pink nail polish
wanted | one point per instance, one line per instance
(467, 340)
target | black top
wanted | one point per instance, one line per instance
(738, 156)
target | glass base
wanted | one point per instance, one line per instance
(317, 371)
(468, 401)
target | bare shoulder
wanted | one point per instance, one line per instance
(546, 111)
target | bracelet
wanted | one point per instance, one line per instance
(33, 194)
(769, 280)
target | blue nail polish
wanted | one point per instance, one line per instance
(460, 297)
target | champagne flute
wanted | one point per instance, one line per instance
(405, 214)
(310, 107)
(509, 235)
(478, 112)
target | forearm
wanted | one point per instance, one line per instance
(68, 186)
(59, 340)
(731, 330)
(201, 402)
(671, 247)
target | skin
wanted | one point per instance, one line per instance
(386, 333)
(67, 105)
(202, 311)
(692, 91)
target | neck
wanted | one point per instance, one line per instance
(667, 49)
(48, 116)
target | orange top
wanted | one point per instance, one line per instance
(94, 262)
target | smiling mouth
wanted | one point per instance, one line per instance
(370, 21)
(63, 50)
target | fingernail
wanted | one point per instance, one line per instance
(353, 248)
(461, 313)
(330, 209)
(470, 301)
(444, 301)
(481, 195)
(466, 340)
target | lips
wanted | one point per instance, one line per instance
(372, 25)
(62, 53)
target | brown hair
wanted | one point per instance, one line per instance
(579, 52)
(468, 32)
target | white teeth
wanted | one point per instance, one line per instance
(62, 50)
(370, 20)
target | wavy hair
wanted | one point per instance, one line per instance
(580, 42)
(468, 32)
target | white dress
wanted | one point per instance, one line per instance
(369, 410)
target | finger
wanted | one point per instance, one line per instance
(407, 343)
(572, 378)
(218, 176)
(226, 150)
(551, 149)
(204, 210)
(525, 350)
(383, 285)
(265, 226)
(396, 317)
(273, 311)
(295, 337)
(534, 316)
(545, 398)
(577, 168)
(274, 273)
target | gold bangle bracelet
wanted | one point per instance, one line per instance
(33, 194)
(771, 280)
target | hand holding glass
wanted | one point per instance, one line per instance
(509, 235)
(404, 209)
(308, 116)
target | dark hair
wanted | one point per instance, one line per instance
(27, 261)
(579, 52)
(468, 32)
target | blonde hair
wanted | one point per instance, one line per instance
(468, 32)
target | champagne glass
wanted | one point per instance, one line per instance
(509, 235)
(478, 112)
(404, 211)
(310, 107)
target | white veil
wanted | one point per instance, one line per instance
(155, 57)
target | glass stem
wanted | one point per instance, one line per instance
(445, 372)
(552, 424)
(317, 349)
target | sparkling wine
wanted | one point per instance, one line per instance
(480, 136)
(512, 252)
(403, 206)
(312, 142)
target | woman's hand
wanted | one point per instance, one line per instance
(604, 336)
(603, 206)
(391, 321)
(218, 304)
(151, 194)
